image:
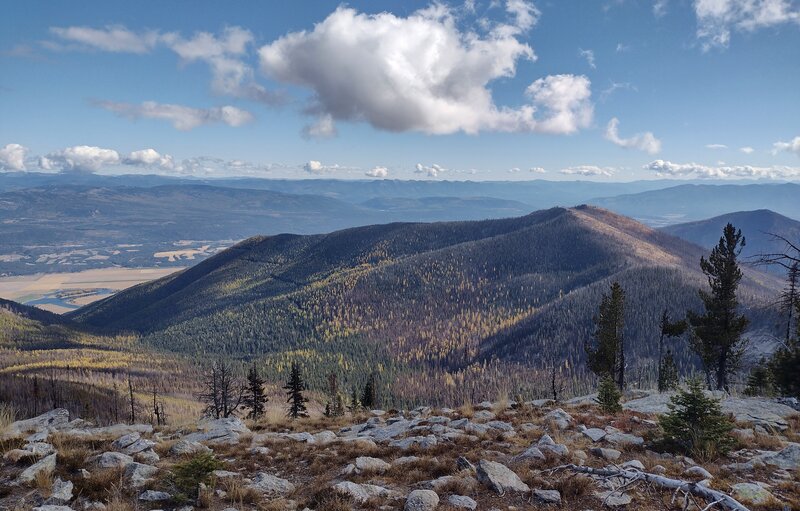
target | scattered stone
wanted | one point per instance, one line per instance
(635, 464)
(659, 469)
(114, 460)
(531, 453)
(483, 415)
(61, 492)
(219, 431)
(149, 457)
(559, 418)
(462, 502)
(752, 494)
(52, 420)
(324, 437)
(463, 463)
(595, 434)
(423, 442)
(499, 478)
(404, 460)
(787, 459)
(52, 507)
(187, 447)
(421, 500)
(698, 471)
(614, 498)
(548, 496)
(547, 444)
(605, 453)
(368, 464)
(44, 466)
(617, 437)
(139, 474)
(363, 492)
(225, 474)
(154, 496)
(269, 484)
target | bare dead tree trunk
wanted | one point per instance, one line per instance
(132, 400)
(631, 476)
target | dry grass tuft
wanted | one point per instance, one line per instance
(330, 500)
(101, 484)
(44, 483)
(239, 494)
(574, 486)
(7, 415)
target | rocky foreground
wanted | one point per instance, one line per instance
(536, 455)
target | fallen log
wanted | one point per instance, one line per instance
(632, 476)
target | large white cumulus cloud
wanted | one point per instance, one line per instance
(12, 157)
(82, 158)
(149, 158)
(423, 73)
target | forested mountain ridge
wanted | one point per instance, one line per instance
(441, 295)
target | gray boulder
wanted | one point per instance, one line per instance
(363, 492)
(752, 494)
(44, 466)
(187, 447)
(462, 502)
(547, 496)
(594, 434)
(787, 459)
(605, 453)
(421, 500)
(546, 444)
(269, 484)
(499, 478)
(369, 464)
(559, 418)
(113, 460)
(219, 431)
(50, 421)
(61, 492)
(154, 496)
(139, 474)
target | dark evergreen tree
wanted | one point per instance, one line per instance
(790, 299)
(355, 404)
(335, 405)
(606, 356)
(254, 398)
(294, 389)
(760, 381)
(668, 378)
(369, 398)
(695, 424)
(717, 333)
(608, 396)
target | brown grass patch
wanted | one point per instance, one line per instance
(101, 484)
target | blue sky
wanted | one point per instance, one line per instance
(478, 90)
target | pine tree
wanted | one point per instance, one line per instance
(294, 389)
(717, 333)
(668, 373)
(668, 329)
(254, 397)
(695, 423)
(790, 299)
(355, 404)
(369, 395)
(608, 396)
(606, 357)
(335, 405)
(760, 381)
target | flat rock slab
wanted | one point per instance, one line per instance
(499, 478)
(363, 492)
(269, 484)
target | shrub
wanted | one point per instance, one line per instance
(695, 424)
(608, 396)
(187, 476)
(760, 382)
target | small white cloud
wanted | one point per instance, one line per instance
(668, 168)
(323, 128)
(80, 158)
(588, 170)
(113, 38)
(378, 172)
(646, 141)
(183, 118)
(623, 48)
(716, 146)
(149, 158)
(660, 8)
(589, 56)
(747, 150)
(432, 171)
(537, 170)
(314, 167)
(12, 157)
(514, 170)
(793, 146)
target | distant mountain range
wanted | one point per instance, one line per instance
(72, 222)
(407, 296)
(757, 226)
(691, 202)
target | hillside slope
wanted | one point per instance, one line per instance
(444, 295)
(757, 225)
